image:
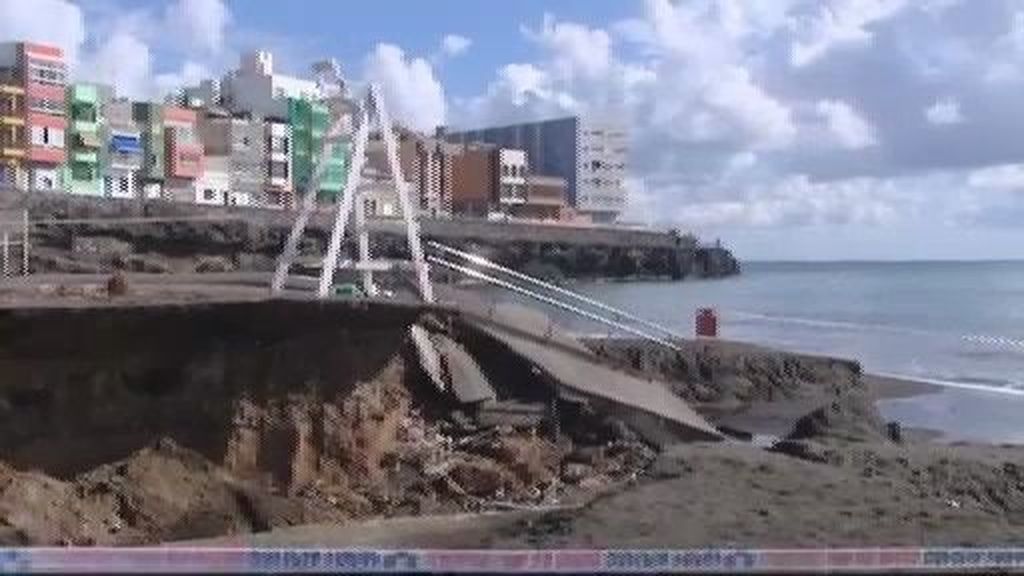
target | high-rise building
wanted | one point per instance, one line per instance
(589, 154)
(39, 71)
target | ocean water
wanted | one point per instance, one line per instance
(957, 324)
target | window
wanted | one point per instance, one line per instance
(83, 112)
(46, 137)
(279, 144)
(46, 72)
(46, 106)
(209, 195)
(504, 170)
(185, 135)
(81, 172)
(278, 169)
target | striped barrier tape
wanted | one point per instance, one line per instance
(312, 561)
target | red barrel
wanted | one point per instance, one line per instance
(707, 323)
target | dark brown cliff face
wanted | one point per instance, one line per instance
(255, 386)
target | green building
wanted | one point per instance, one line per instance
(82, 171)
(309, 123)
(150, 119)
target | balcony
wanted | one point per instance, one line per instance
(85, 156)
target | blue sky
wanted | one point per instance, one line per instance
(791, 129)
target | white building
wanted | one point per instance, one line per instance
(279, 162)
(256, 89)
(512, 170)
(214, 185)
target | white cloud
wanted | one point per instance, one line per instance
(190, 74)
(798, 201)
(454, 45)
(838, 23)
(1004, 177)
(123, 61)
(845, 125)
(741, 161)
(55, 22)
(576, 49)
(766, 119)
(200, 24)
(944, 111)
(1003, 61)
(413, 93)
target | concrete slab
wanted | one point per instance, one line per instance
(467, 380)
(647, 405)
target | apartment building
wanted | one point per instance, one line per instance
(184, 152)
(241, 140)
(427, 164)
(121, 157)
(512, 171)
(256, 89)
(475, 174)
(213, 187)
(149, 117)
(82, 171)
(278, 166)
(309, 122)
(590, 154)
(12, 135)
(545, 199)
(39, 71)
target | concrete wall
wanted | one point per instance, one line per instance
(247, 233)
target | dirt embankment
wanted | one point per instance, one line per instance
(142, 425)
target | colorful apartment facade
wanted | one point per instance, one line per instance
(36, 74)
(82, 170)
(12, 135)
(121, 157)
(309, 122)
(184, 162)
(149, 117)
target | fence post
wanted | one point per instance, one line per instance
(24, 243)
(7, 254)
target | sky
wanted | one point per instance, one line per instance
(789, 129)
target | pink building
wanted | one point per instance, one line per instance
(41, 72)
(184, 153)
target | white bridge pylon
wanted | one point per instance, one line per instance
(371, 113)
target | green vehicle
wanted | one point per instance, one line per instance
(348, 290)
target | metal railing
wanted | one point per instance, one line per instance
(571, 302)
